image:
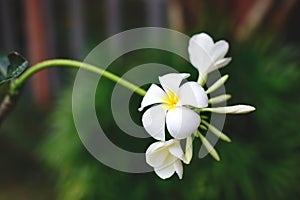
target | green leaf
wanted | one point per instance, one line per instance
(11, 67)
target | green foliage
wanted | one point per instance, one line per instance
(261, 162)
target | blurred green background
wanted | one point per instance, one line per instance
(42, 156)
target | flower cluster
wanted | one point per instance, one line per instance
(178, 107)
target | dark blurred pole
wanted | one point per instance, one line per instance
(156, 10)
(77, 33)
(7, 27)
(113, 16)
(36, 46)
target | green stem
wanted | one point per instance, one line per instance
(202, 79)
(73, 64)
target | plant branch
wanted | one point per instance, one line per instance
(11, 97)
(73, 64)
(7, 105)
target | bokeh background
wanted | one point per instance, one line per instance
(41, 156)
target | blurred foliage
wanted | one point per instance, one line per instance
(261, 163)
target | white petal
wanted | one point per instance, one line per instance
(156, 154)
(172, 81)
(154, 95)
(182, 122)
(176, 150)
(154, 122)
(219, 64)
(206, 55)
(237, 109)
(203, 40)
(222, 62)
(167, 170)
(219, 50)
(199, 57)
(191, 93)
(188, 150)
(178, 168)
(217, 84)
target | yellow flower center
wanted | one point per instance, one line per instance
(171, 100)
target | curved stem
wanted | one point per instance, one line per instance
(73, 64)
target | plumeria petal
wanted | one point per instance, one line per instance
(154, 122)
(176, 150)
(172, 81)
(167, 169)
(219, 64)
(178, 168)
(182, 122)
(219, 50)
(237, 109)
(154, 95)
(207, 56)
(156, 154)
(203, 40)
(199, 55)
(217, 84)
(222, 62)
(191, 93)
(165, 172)
(166, 158)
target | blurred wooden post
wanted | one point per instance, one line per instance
(7, 27)
(113, 16)
(37, 50)
(155, 12)
(184, 15)
(175, 15)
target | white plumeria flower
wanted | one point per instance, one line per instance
(205, 55)
(166, 158)
(171, 107)
(181, 108)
